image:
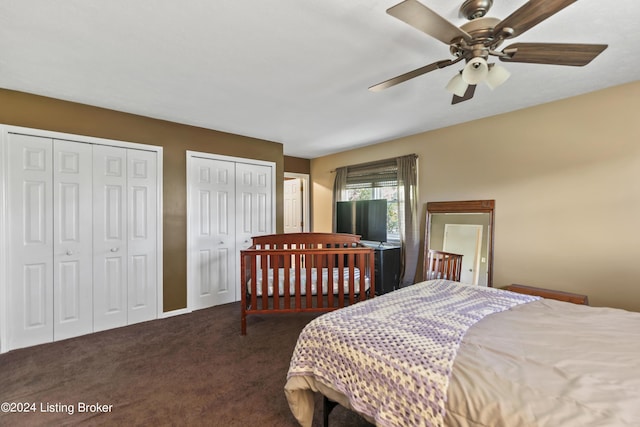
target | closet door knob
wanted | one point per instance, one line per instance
(69, 252)
(115, 249)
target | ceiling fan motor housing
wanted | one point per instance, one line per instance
(482, 40)
(472, 9)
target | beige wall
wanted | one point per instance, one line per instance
(21, 109)
(566, 180)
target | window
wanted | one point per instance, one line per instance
(376, 181)
(395, 180)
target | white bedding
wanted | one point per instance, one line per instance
(314, 281)
(542, 364)
(548, 363)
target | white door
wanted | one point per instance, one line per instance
(72, 239)
(212, 229)
(292, 205)
(253, 207)
(142, 245)
(229, 202)
(465, 239)
(110, 237)
(30, 263)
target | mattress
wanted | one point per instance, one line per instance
(314, 281)
(543, 363)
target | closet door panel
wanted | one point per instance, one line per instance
(212, 228)
(254, 189)
(110, 237)
(141, 243)
(73, 239)
(30, 215)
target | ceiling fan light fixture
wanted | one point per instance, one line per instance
(480, 38)
(475, 71)
(457, 85)
(496, 76)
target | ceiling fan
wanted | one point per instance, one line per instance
(480, 38)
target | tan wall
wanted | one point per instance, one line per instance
(566, 180)
(22, 109)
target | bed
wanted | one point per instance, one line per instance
(304, 272)
(441, 353)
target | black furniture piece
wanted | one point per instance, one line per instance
(387, 268)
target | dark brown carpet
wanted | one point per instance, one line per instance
(193, 369)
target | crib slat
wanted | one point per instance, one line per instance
(320, 265)
(340, 280)
(296, 266)
(254, 282)
(330, 282)
(359, 264)
(264, 265)
(275, 267)
(352, 290)
(309, 294)
(287, 281)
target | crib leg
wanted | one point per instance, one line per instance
(243, 323)
(327, 407)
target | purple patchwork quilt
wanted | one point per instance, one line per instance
(392, 356)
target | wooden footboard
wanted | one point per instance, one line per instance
(304, 272)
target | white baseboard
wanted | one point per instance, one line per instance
(172, 313)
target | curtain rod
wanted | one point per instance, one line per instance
(374, 162)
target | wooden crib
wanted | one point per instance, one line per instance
(304, 272)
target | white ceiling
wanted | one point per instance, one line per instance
(290, 71)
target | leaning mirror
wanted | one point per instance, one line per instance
(463, 228)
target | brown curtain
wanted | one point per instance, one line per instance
(408, 217)
(339, 188)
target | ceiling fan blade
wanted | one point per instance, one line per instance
(426, 20)
(471, 89)
(573, 54)
(530, 14)
(411, 74)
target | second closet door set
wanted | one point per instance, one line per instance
(230, 201)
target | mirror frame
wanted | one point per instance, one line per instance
(469, 206)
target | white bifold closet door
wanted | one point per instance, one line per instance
(72, 239)
(124, 248)
(213, 230)
(83, 238)
(229, 203)
(31, 227)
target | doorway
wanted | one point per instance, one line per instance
(296, 203)
(465, 239)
